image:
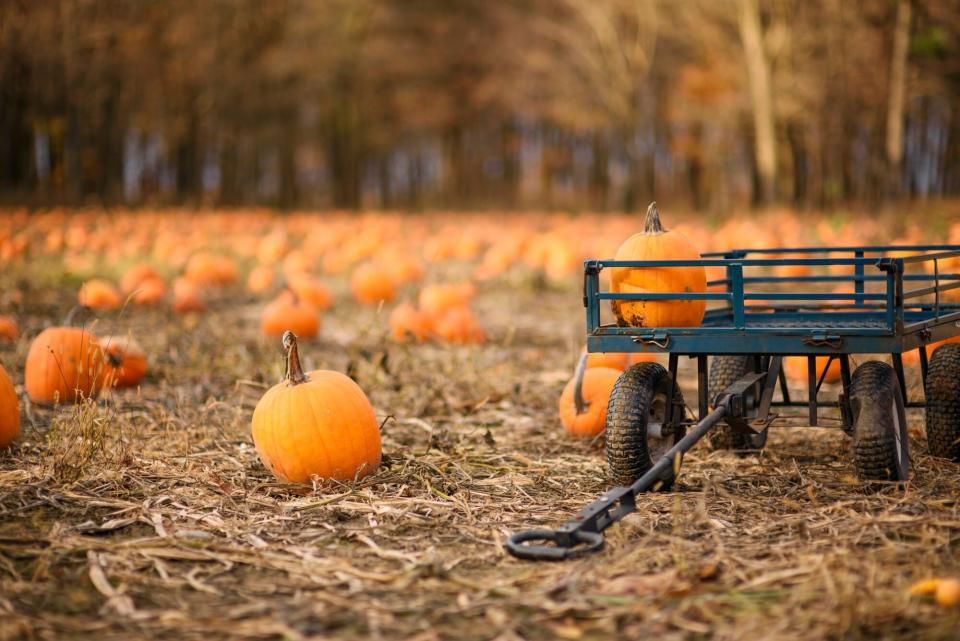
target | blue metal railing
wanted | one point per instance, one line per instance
(893, 311)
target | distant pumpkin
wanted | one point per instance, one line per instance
(99, 293)
(289, 311)
(795, 367)
(186, 297)
(315, 424)
(407, 322)
(9, 330)
(372, 284)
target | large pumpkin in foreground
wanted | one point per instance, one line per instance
(315, 424)
(64, 365)
(657, 243)
(9, 410)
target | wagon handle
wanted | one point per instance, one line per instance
(521, 545)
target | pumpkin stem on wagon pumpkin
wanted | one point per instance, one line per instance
(652, 224)
(578, 401)
(294, 373)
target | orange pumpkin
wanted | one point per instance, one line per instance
(613, 360)
(585, 415)
(126, 361)
(9, 410)
(150, 291)
(135, 275)
(795, 367)
(186, 297)
(99, 293)
(260, 279)
(64, 365)
(211, 269)
(372, 284)
(289, 311)
(657, 243)
(319, 424)
(459, 325)
(311, 291)
(9, 330)
(407, 322)
(439, 298)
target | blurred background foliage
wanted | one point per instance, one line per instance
(550, 104)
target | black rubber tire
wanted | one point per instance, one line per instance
(942, 392)
(879, 423)
(628, 450)
(725, 370)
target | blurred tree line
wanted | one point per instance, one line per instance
(475, 103)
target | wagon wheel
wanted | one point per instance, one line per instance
(725, 370)
(942, 392)
(635, 416)
(880, 448)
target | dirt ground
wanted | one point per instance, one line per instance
(149, 515)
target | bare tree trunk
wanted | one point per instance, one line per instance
(758, 72)
(898, 81)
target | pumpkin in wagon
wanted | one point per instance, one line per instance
(315, 424)
(657, 243)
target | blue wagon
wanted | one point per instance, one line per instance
(881, 300)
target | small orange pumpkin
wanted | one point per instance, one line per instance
(319, 424)
(126, 361)
(459, 325)
(64, 365)
(439, 298)
(260, 279)
(287, 311)
(407, 322)
(583, 402)
(9, 330)
(9, 410)
(99, 293)
(186, 297)
(795, 367)
(372, 284)
(657, 243)
(149, 291)
(311, 291)
(135, 275)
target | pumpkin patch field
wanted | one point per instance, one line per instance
(240, 424)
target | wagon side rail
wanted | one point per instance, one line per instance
(900, 309)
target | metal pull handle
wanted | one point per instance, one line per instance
(823, 340)
(580, 543)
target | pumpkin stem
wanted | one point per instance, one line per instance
(294, 373)
(652, 224)
(77, 314)
(578, 401)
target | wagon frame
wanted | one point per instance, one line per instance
(900, 301)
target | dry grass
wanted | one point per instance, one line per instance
(148, 515)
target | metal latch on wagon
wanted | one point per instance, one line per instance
(822, 339)
(660, 339)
